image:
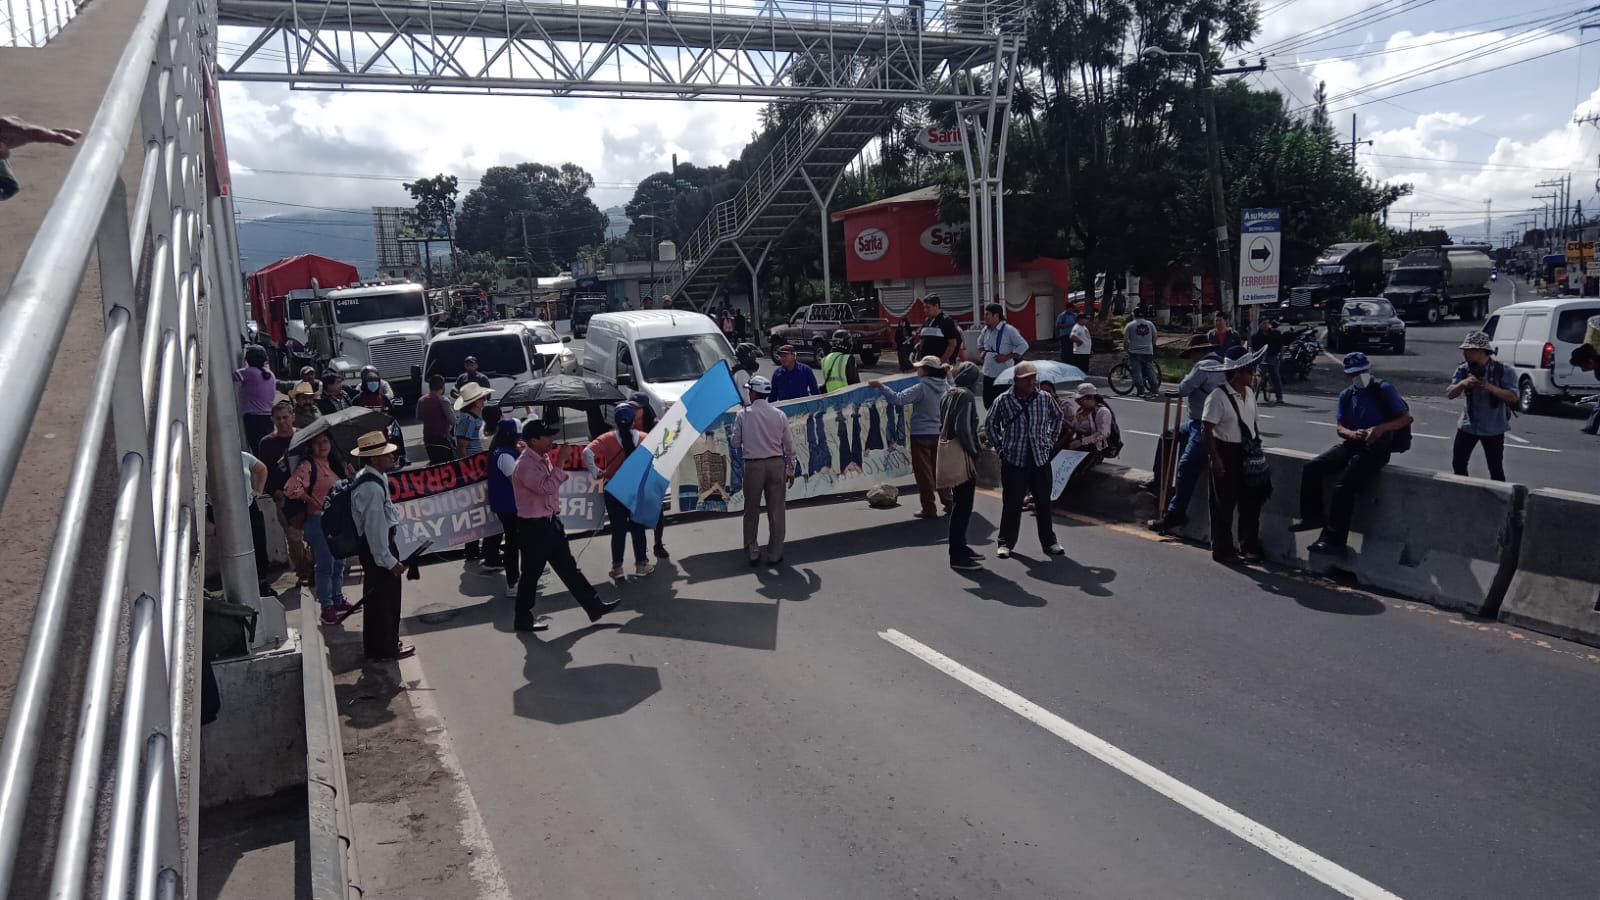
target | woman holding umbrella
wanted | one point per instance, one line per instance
(310, 484)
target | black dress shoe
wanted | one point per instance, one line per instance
(661, 552)
(1326, 546)
(604, 606)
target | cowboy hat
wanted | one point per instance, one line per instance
(471, 394)
(374, 443)
(1232, 363)
(301, 389)
(1477, 340)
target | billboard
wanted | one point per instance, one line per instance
(1260, 246)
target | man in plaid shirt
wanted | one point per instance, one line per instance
(1022, 426)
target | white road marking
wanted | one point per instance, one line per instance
(1512, 437)
(1319, 867)
(1144, 433)
(1532, 447)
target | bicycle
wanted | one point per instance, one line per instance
(1121, 378)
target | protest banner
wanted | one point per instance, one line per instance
(844, 442)
(446, 504)
(1061, 468)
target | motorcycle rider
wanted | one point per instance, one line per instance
(839, 367)
(748, 359)
(373, 392)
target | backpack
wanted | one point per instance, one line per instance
(338, 517)
(1400, 440)
(1114, 443)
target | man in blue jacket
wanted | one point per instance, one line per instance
(924, 397)
(792, 379)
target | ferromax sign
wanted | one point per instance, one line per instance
(940, 140)
(872, 244)
(941, 238)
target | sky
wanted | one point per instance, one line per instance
(1467, 100)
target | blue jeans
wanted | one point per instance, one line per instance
(1146, 377)
(1274, 369)
(1191, 466)
(329, 571)
(1593, 424)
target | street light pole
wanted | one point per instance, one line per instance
(652, 219)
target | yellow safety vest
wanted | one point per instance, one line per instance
(835, 371)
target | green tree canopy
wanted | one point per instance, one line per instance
(534, 208)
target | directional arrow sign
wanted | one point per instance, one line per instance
(1260, 233)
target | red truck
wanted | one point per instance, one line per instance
(811, 328)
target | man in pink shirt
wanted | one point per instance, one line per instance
(537, 485)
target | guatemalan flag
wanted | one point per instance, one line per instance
(642, 481)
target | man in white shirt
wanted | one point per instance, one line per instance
(1228, 420)
(376, 520)
(1001, 345)
(761, 430)
(1082, 346)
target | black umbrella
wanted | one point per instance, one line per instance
(344, 427)
(579, 391)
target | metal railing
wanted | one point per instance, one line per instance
(332, 863)
(159, 265)
(32, 23)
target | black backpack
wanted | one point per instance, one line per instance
(1113, 443)
(338, 517)
(1399, 440)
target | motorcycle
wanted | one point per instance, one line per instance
(1304, 348)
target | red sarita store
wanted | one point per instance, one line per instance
(901, 247)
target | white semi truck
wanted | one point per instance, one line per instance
(379, 324)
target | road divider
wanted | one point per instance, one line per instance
(1556, 587)
(1442, 539)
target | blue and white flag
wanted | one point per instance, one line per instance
(641, 483)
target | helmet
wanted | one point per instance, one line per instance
(760, 384)
(748, 355)
(255, 355)
(842, 340)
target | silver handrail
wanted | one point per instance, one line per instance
(143, 398)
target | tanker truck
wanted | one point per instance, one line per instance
(1433, 282)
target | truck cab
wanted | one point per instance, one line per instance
(384, 325)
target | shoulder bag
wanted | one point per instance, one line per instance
(1257, 471)
(952, 466)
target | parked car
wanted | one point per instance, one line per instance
(1367, 322)
(1536, 338)
(811, 326)
(661, 352)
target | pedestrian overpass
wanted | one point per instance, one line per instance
(100, 757)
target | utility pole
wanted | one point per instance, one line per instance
(1354, 143)
(1488, 209)
(1414, 217)
(1219, 214)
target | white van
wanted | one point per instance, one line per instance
(661, 352)
(508, 352)
(1537, 338)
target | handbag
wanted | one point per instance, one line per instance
(294, 509)
(952, 466)
(1257, 471)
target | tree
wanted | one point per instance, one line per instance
(532, 210)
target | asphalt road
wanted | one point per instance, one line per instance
(1132, 721)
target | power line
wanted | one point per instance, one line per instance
(1478, 165)
(1446, 81)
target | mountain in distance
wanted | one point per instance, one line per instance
(345, 236)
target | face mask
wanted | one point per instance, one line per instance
(372, 385)
(1361, 379)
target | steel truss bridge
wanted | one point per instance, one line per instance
(856, 60)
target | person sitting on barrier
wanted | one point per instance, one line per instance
(1230, 423)
(1371, 417)
(1587, 358)
(1189, 441)
(1490, 388)
(1089, 427)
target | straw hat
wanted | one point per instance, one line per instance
(302, 388)
(374, 443)
(471, 394)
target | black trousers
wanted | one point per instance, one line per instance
(545, 541)
(622, 525)
(1356, 464)
(502, 549)
(380, 605)
(961, 517)
(256, 427)
(1229, 495)
(1017, 482)
(438, 453)
(1494, 453)
(991, 391)
(258, 540)
(1082, 360)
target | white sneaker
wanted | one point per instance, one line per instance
(643, 569)
(616, 572)
(1004, 552)
(1057, 550)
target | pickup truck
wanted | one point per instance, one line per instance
(811, 327)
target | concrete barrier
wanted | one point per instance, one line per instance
(1556, 588)
(257, 745)
(1445, 540)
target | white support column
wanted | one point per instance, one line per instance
(822, 212)
(755, 287)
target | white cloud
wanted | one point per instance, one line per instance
(1421, 59)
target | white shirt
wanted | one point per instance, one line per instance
(1081, 342)
(1219, 412)
(995, 342)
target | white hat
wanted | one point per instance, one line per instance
(1087, 390)
(374, 443)
(760, 384)
(931, 362)
(471, 394)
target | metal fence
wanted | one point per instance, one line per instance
(32, 23)
(159, 265)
